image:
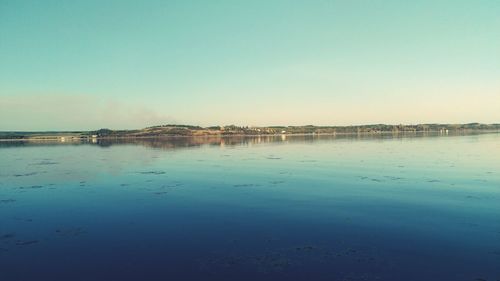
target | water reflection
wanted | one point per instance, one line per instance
(351, 207)
(223, 141)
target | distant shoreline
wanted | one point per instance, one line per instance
(76, 137)
(174, 130)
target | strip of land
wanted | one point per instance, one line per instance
(232, 130)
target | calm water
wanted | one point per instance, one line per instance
(301, 208)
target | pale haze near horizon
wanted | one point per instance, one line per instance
(80, 65)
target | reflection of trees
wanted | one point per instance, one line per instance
(189, 142)
(180, 142)
(228, 141)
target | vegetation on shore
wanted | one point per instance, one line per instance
(189, 130)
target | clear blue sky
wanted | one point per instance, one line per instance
(129, 64)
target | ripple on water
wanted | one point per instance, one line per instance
(70, 231)
(44, 163)
(160, 193)
(26, 174)
(152, 172)
(31, 187)
(279, 260)
(7, 236)
(26, 242)
(246, 185)
(273, 158)
(276, 182)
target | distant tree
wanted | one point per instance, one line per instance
(104, 132)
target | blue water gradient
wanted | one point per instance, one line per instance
(269, 208)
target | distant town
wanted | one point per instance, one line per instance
(232, 130)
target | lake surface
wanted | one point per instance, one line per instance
(270, 208)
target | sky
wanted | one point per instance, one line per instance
(89, 64)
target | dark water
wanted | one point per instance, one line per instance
(295, 208)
